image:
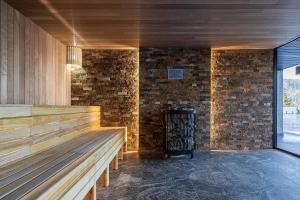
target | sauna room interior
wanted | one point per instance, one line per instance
(150, 99)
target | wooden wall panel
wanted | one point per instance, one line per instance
(32, 63)
(3, 51)
(10, 55)
(27, 61)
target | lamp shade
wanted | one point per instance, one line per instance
(74, 56)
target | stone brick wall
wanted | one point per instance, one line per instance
(157, 92)
(233, 99)
(110, 79)
(242, 98)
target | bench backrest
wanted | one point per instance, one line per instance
(27, 129)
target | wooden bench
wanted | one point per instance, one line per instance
(50, 152)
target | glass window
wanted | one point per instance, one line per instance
(288, 131)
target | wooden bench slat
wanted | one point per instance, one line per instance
(38, 180)
(59, 187)
(31, 161)
(101, 164)
(9, 170)
(37, 176)
(41, 128)
(19, 171)
(56, 160)
(76, 180)
(50, 156)
(54, 152)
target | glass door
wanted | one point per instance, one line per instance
(289, 137)
(287, 98)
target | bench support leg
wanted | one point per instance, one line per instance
(115, 164)
(92, 194)
(105, 178)
(121, 154)
(125, 147)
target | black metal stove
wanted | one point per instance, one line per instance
(180, 129)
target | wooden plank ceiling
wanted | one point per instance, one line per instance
(167, 23)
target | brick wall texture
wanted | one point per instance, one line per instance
(109, 78)
(241, 99)
(157, 92)
(232, 91)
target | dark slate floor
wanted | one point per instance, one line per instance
(268, 174)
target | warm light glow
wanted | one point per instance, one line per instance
(212, 105)
(138, 99)
(58, 16)
(68, 23)
(74, 57)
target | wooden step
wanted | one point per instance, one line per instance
(21, 179)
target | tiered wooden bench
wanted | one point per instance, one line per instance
(50, 152)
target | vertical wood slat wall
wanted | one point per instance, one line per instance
(33, 63)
